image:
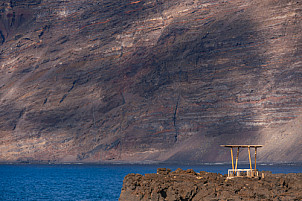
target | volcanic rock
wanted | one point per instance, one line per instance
(188, 185)
(149, 80)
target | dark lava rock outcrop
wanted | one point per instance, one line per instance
(188, 185)
(149, 80)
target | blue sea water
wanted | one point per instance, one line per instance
(90, 182)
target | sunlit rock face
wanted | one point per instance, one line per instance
(152, 80)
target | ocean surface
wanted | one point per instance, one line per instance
(91, 182)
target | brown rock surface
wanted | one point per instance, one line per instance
(188, 185)
(149, 80)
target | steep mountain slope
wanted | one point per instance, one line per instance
(149, 80)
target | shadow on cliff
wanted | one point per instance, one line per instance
(192, 91)
(217, 73)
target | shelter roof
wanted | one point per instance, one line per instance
(244, 146)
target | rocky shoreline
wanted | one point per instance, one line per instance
(189, 185)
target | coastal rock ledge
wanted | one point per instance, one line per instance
(189, 185)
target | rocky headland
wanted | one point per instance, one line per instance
(149, 80)
(188, 185)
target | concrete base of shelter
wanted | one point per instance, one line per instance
(232, 173)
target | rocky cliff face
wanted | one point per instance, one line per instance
(150, 80)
